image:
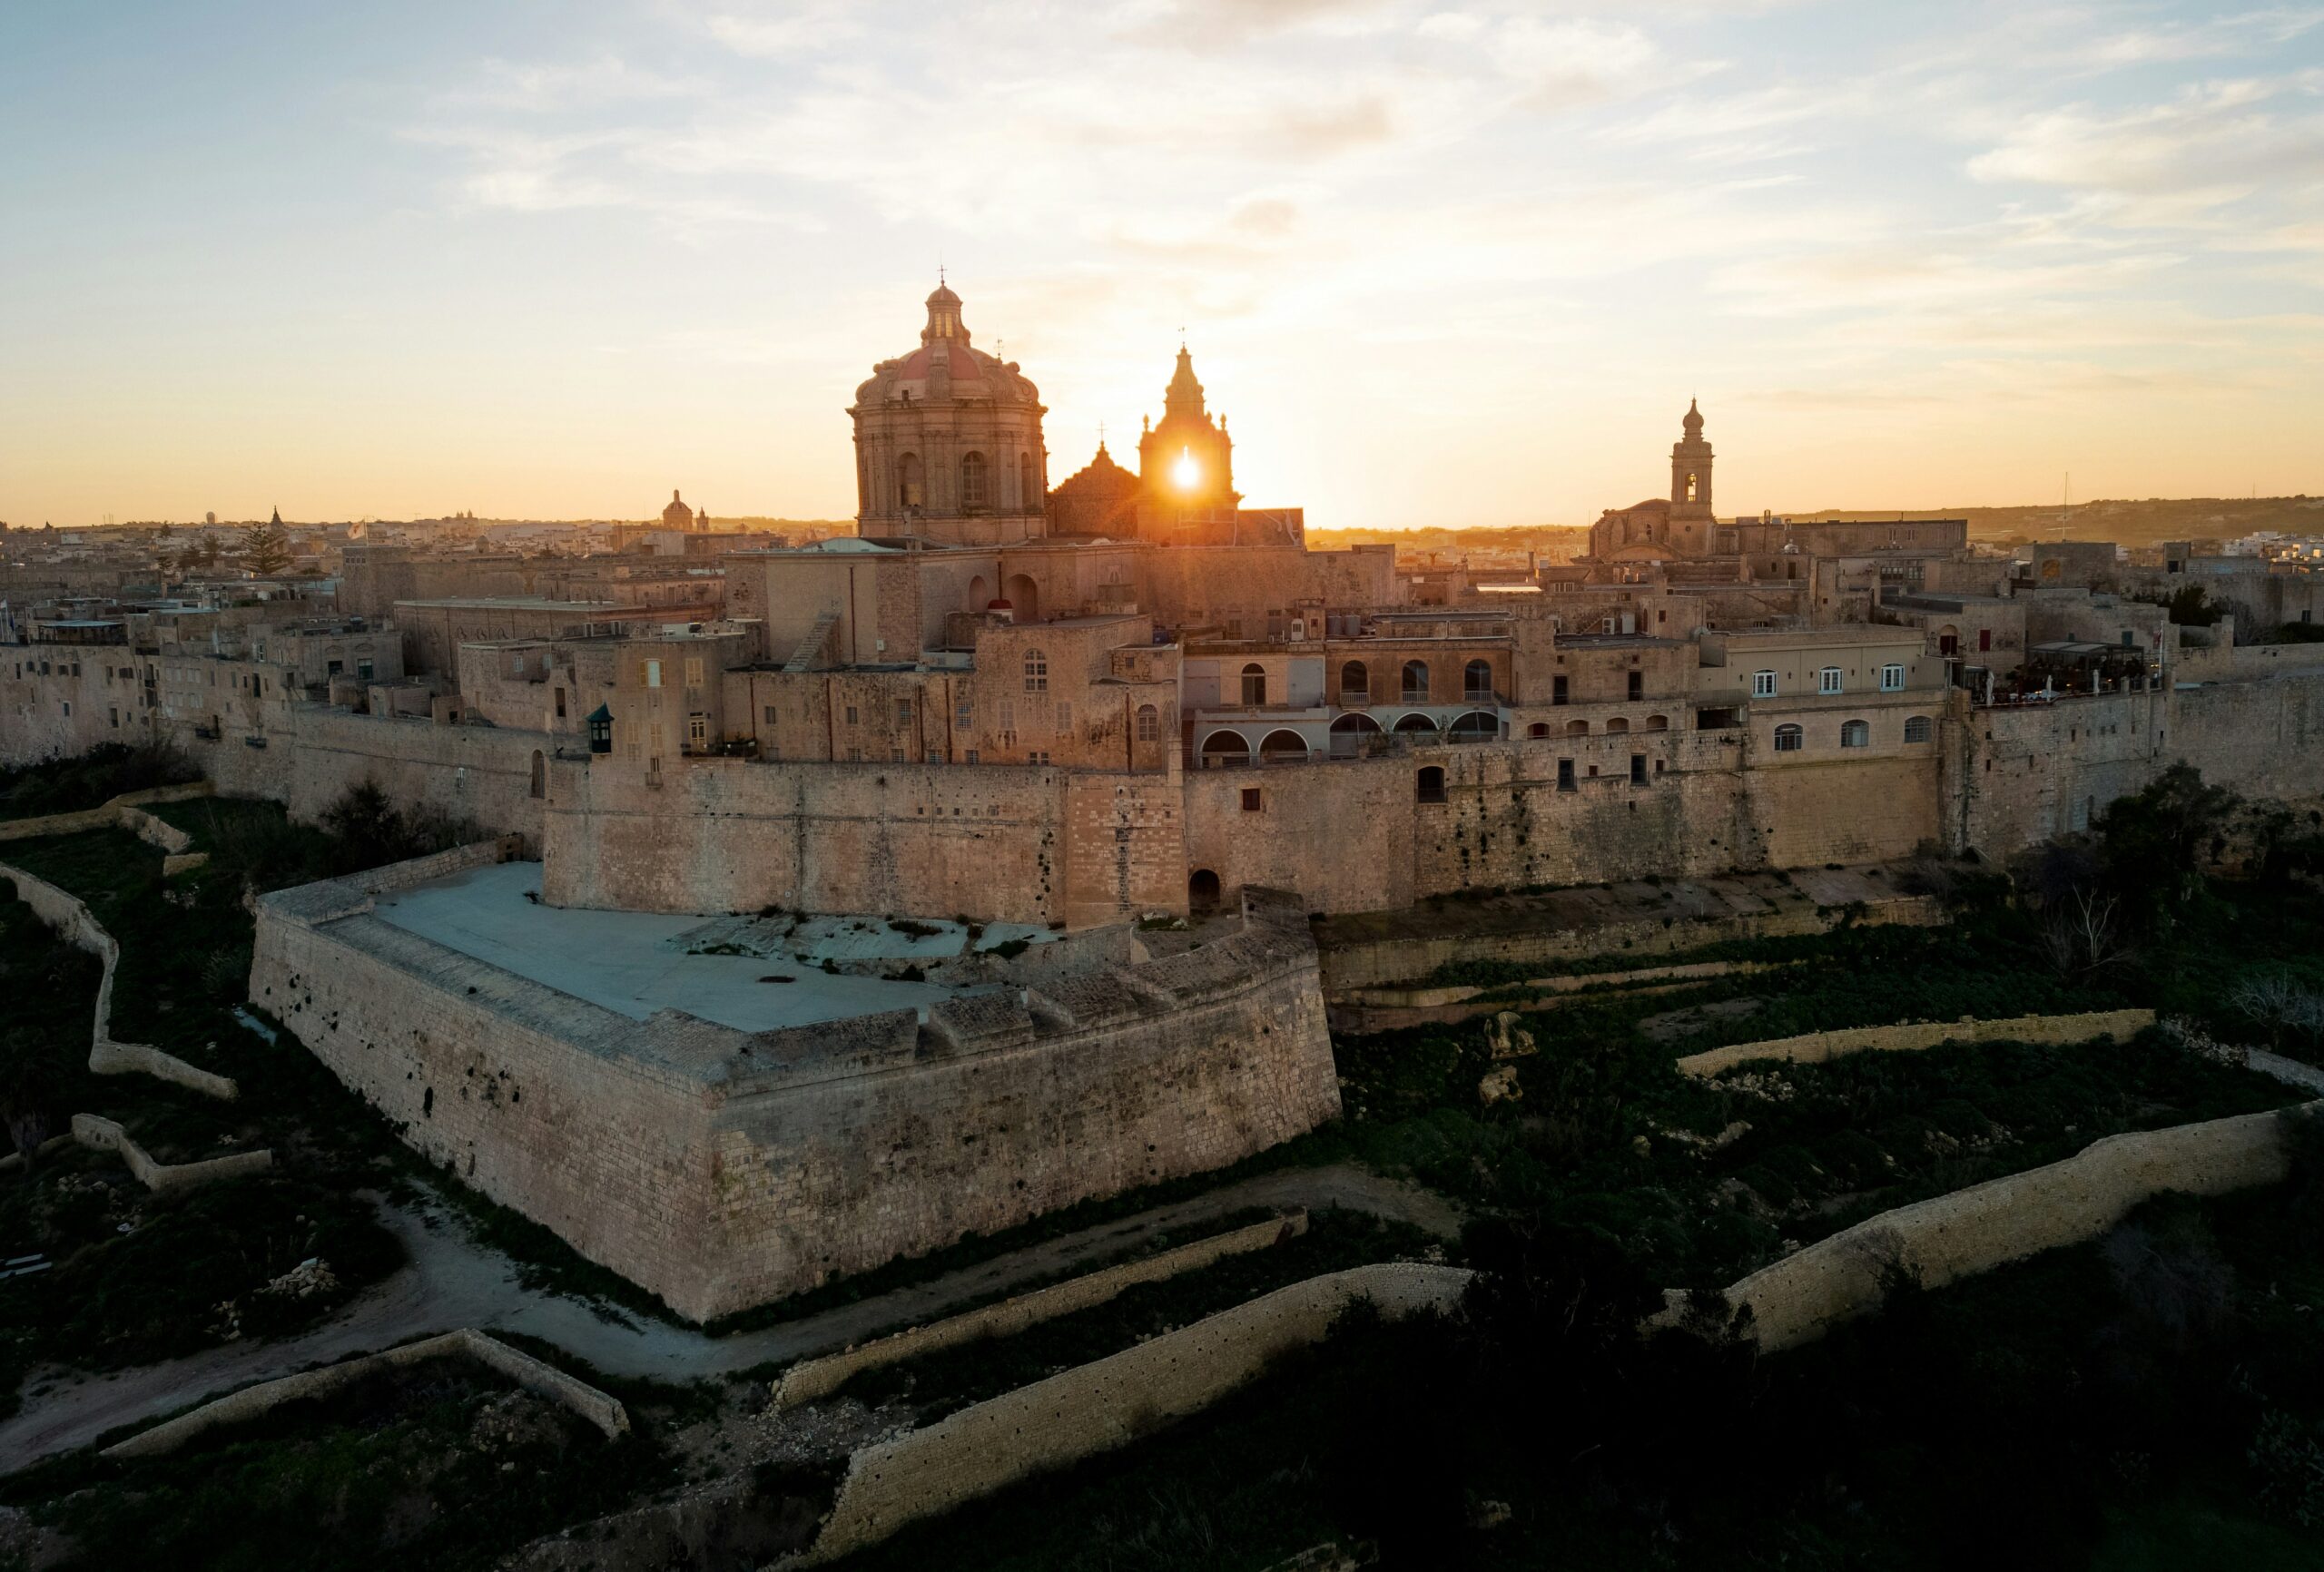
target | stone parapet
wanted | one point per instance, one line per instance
(1813, 1047)
(104, 1135)
(71, 916)
(811, 1379)
(522, 1370)
(1106, 1403)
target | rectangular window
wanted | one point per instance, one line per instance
(1251, 800)
(904, 711)
(697, 728)
(971, 756)
(1064, 718)
(1985, 638)
(767, 711)
(1638, 769)
(650, 673)
(1763, 684)
(850, 715)
(363, 670)
(855, 755)
(1565, 774)
(963, 717)
(1827, 681)
(1557, 691)
(113, 715)
(1891, 679)
(1916, 728)
(694, 671)
(1637, 684)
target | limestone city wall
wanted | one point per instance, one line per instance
(1799, 1298)
(1106, 1404)
(721, 1169)
(1814, 1047)
(811, 1379)
(66, 913)
(522, 1370)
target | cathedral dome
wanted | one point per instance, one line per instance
(945, 365)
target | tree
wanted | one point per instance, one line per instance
(266, 547)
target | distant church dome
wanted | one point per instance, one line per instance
(677, 516)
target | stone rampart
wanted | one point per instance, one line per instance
(720, 1168)
(521, 1370)
(811, 1379)
(104, 1135)
(1812, 1047)
(1106, 1404)
(64, 912)
(1948, 1237)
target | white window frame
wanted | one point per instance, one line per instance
(1763, 684)
(1892, 678)
(1865, 734)
(1831, 680)
(1790, 739)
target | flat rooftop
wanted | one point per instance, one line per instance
(636, 963)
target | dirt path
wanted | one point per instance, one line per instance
(451, 1281)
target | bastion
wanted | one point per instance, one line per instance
(727, 1110)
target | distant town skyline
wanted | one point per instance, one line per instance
(1439, 266)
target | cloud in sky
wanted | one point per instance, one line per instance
(1522, 233)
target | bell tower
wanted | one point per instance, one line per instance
(1691, 508)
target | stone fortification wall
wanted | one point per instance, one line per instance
(1106, 1404)
(125, 811)
(520, 1369)
(811, 1379)
(104, 1135)
(721, 1169)
(1813, 1047)
(2032, 772)
(1797, 1299)
(1000, 843)
(71, 918)
(1384, 962)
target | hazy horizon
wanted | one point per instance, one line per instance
(1457, 267)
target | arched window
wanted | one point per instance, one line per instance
(1619, 723)
(1255, 685)
(1916, 728)
(1416, 727)
(972, 483)
(1223, 749)
(1577, 728)
(1150, 724)
(1415, 682)
(1282, 747)
(1538, 728)
(1428, 785)
(1476, 682)
(1658, 723)
(1789, 738)
(1690, 486)
(910, 491)
(540, 774)
(1476, 726)
(1037, 672)
(1028, 490)
(1856, 734)
(1355, 684)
